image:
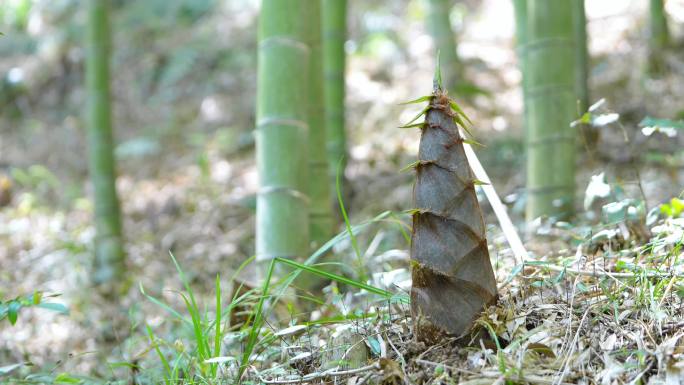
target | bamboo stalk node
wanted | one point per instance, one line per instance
(286, 41)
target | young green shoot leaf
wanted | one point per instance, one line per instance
(421, 99)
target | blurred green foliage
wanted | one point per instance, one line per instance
(15, 13)
(10, 309)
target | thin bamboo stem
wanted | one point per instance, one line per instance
(109, 253)
(658, 35)
(320, 214)
(439, 26)
(334, 15)
(582, 56)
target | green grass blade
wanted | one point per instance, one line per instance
(217, 335)
(256, 324)
(242, 266)
(193, 309)
(402, 228)
(341, 319)
(200, 340)
(176, 369)
(162, 358)
(347, 224)
(163, 305)
(185, 281)
(335, 277)
(287, 281)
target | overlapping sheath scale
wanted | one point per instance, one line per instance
(453, 278)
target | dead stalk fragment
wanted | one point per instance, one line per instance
(453, 279)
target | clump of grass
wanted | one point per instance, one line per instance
(202, 362)
(279, 288)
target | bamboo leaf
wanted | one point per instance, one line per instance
(421, 99)
(421, 113)
(9, 368)
(459, 111)
(473, 142)
(437, 81)
(410, 166)
(415, 211)
(517, 269)
(464, 127)
(414, 125)
(13, 311)
(56, 307)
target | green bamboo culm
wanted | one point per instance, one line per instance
(334, 15)
(659, 37)
(520, 9)
(282, 130)
(550, 101)
(590, 135)
(109, 252)
(320, 214)
(439, 26)
(582, 56)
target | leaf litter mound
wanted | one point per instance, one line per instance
(605, 311)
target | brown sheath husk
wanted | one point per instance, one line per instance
(452, 275)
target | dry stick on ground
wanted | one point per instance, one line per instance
(599, 273)
(505, 222)
(513, 239)
(318, 376)
(565, 365)
(531, 378)
(447, 367)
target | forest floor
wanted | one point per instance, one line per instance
(599, 301)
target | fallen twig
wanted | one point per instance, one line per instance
(448, 367)
(317, 376)
(602, 273)
(499, 209)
